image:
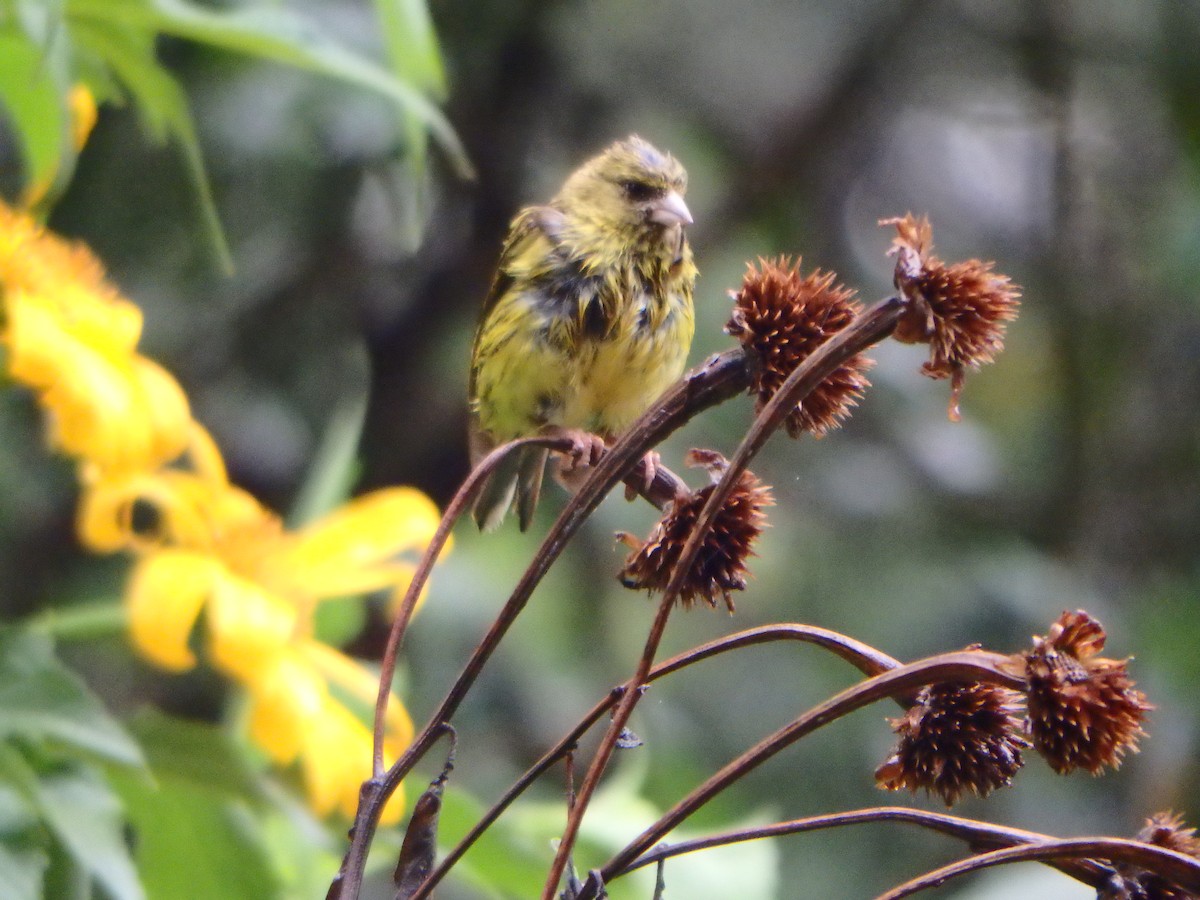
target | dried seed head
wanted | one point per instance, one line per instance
(956, 739)
(960, 310)
(780, 319)
(1164, 829)
(1167, 829)
(1083, 710)
(720, 566)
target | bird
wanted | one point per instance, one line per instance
(589, 318)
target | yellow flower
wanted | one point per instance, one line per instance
(215, 550)
(66, 275)
(198, 510)
(154, 484)
(105, 405)
(220, 551)
(72, 339)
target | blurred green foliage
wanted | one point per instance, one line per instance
(1062, 140)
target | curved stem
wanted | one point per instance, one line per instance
(868, 328)
(964, 665)
(1177, 868)
(722, 377)
(976, 834)
(82, 621)
(630, 695)
(866, 658)
(453, 512)
(375, 792)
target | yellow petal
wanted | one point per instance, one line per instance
(362, 684)
(348, 551)
(248, 625)
(165, 595)
(173, 503)
(288, 698)
(118, 412)
(336, 761)
(168, 417)
(205, 455)
(69, 278)
(97, 402)
(38, 346)
(83, 114)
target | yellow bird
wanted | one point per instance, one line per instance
(589, 317)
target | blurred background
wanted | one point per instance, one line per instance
(1061, 139)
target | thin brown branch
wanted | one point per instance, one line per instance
(977, 835)
(869, 328)
(373, 794)
(722, 377)
(964, 665)
(453, 512)
(1177, 868)
(864, 657)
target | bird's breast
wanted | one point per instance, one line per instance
(622, 368)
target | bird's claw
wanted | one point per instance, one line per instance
(585, 451)
(650, 465)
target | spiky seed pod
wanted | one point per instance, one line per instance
(720, 566)
(1164, 829)
(1083, 710)
(961, 310)
(781, 318)
(1167, 829)
(956, 739)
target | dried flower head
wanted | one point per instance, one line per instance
(1084, 711)
(720, 566)
(956, 739)
(781, 318)
(1167, 829)
(1164, 829)
(960, 310)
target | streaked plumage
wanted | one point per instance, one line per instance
(589, 317)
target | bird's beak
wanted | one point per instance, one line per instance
(671, 210)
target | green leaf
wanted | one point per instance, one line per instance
(415, 58)
(82, 814)
(335, 464)
(42, 700)
(193, 842)
(22, 872)
(161, 102)
(504, 862)
(412, 44)
(196, 755)
(277, 34)
(32, 93)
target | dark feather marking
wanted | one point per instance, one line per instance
(568, 286)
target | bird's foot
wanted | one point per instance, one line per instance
(585, 451)
(649, 466)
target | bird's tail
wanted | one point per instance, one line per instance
(519, 477)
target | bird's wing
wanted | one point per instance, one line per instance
(529, 250)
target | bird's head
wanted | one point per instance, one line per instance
(630, 187)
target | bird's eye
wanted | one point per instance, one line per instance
(639, 191)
